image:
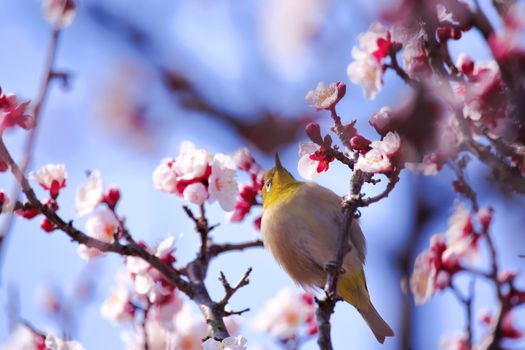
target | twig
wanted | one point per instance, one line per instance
(216, 249)
(230, 291)
(467, 303)
(31, 137)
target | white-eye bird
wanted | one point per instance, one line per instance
(300, 225)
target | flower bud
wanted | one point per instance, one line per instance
(360, 144)
(313, 130)
(3, 166)
(485, 217)
(47, 225)
(112, 197)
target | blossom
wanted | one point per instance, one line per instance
(508, 327)
(381, 119)
(90, 194)
(366, 71)
(222, 184)
(230, 343)
(159, 338)
(453, 342)
(415, 58)
(164, 178)
(429, 166)
(101, 225)
(195, 193)
(244, 160)
(378, 158)
(117, 307)
(12, 113)
(21, 338)
(60, 13)
(424, 279)
(326, 97)
(51, 177)
(461, 239)
(376, 41)
(442, 14)
(55, 343)
(313, 160)
(283, 315)
(190, 329)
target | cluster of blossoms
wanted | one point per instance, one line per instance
(25, 338)
(367, 68)
(160, 315)
(248, 192)
(447, 255)
(289, 317)
(198, 176)
(435, 266)
(372, 157)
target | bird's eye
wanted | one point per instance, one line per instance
(268, 185)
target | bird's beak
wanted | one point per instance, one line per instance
(278, 164)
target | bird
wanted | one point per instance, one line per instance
(300, 225)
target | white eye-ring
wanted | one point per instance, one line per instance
(268, 185)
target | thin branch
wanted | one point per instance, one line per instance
(32, 135)
(393, 180)
(216, 249)
(229, 291)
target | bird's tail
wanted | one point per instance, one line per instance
(352, 288)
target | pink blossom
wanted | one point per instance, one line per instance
(164, 178)
(190, 329)
(222, 183)
(424, 280)
(376, 41)
(60, 13)
(195, 193)
(326, 97)
(90, 194)
(428, 167)
(21, 338)
(244, 160)
(415, 58)
(508, 327)
(51, 177)
(111, 197)
(465, 64)
(12, 113)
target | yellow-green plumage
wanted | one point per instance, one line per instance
(300, 225)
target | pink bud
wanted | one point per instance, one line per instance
(47, 225)
(313, 130)
(485, 217)
(341, 91)
(3, 166)
(257, 223)
(307, 298)
(485, 317)
(112, 197)
(54, 190)
(27, 213)
(3, 198)
(312, 330)
(443, 33)
(359, 143)
(507, 276)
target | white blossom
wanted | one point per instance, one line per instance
(222, 184)
(116, 307)
(307, 167)
(90, 194)
(101, 225)
(21, 338)
(164, 178)
(230, 343)
(195, 193)
(366, 71)
(55, 343)
(368, 40)
(324, 96)
(49, 173)
(282, 315)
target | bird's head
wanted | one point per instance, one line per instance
(276, 183)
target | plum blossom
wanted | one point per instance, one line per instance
(245, 161)
(326, 97)
(60, 13)
(378, 158)
(284, 315)
(230, 343)
(51, 177)
(117, 307)
(313, 160)
(461, 240)
(21, 338)
(90, 194)
(222, 184)
(453, 342)
(101, 225)
(55, 343)
(376, 41)
(367, 72)
(190, 329)
(12, 113)
(159, 338)
(195, 193)
(381, 119)
(415, 57)
(428, 166)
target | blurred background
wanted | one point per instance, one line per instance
(146, 75)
